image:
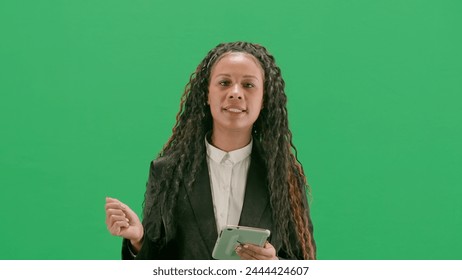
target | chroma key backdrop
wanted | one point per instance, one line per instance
(89, 91)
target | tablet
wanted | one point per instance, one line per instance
(231, 236)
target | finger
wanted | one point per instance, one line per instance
(254, 255)
(114, 223)
(112, 218)
(256, 249)
(114, 212)
(110, 199)
(117, 227)
(238, 251)
(116, 218)
(246, 251)
(112, 202)
(113, 205)
(265, 253)
(245, 254)
(272, 250)
(129, 212)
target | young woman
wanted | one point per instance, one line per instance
(230, 160)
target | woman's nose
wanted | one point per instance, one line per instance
(235, 92)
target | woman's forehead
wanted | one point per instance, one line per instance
(238, 57)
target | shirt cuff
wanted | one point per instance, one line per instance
(129, 245)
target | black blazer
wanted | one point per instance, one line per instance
(196, 227)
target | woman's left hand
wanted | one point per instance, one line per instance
(254, 252)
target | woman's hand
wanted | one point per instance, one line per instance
(253, 252)
(122, 221)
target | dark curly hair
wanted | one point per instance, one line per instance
(185, 149)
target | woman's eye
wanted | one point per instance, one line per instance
(248, 85)
(224, 83)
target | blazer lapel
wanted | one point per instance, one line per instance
(256, 201)
(200, 197)
(256, 198)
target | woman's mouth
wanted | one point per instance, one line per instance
(234, 109)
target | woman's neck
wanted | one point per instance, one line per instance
(230, 140)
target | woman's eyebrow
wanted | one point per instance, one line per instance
(251, 76)
(228, 75)
(223, 74)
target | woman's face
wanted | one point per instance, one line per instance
(235, 92)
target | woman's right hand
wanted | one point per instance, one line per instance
(122, 221)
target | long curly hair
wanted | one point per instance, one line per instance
(184, 151)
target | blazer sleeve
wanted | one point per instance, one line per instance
(154, 232)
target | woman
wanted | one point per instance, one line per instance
(230, 160)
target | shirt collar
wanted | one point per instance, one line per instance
(219, 156)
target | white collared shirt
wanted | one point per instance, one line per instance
(228, 177)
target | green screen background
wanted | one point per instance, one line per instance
(89, 91)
